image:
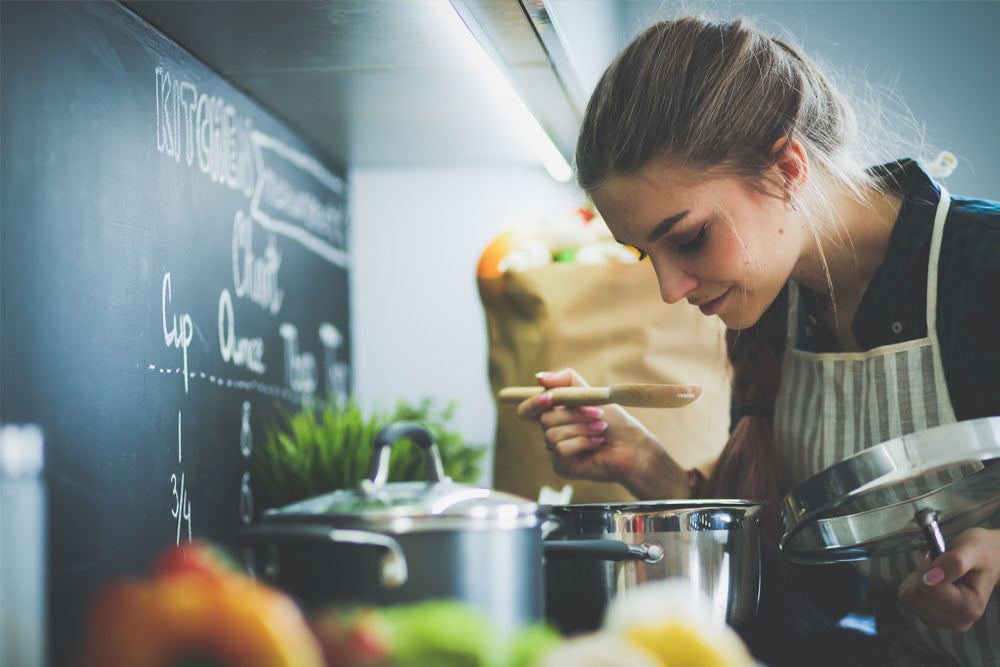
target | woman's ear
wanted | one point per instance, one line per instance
(792, 164)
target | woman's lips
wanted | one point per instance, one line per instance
(715, 305)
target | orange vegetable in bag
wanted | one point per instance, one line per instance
(495, 252)
(194, 607)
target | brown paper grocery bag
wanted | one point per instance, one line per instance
(608, 322)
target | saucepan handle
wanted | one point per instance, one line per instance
(650, 552)
(927, 519)
(392, 571)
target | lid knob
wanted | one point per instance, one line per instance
(378, 470)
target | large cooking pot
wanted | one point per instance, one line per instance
(713, 544)
(391, 543)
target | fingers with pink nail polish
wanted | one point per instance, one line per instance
(933, 576)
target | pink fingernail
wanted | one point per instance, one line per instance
(546, 398)
(593, 413)
(598, 426)
(544, 375)
(596, 439)
(934, 576)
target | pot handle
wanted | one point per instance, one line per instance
(378, 469)
(650, 552)
(393, 571)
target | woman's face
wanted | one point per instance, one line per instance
(723, 247)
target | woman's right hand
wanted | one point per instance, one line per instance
(604, 444)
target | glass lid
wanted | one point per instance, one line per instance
(436, 503)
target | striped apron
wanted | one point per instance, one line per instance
(832, 405)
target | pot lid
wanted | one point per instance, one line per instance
(436, 504)
(911, 492)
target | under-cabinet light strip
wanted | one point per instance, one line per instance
(514, 106)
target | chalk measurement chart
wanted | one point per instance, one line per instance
(260, 329)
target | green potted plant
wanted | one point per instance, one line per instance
(319, 449)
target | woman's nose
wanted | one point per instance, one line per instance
(675, 282)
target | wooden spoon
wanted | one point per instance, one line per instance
(632, 395)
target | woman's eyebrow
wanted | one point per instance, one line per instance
(665, 226)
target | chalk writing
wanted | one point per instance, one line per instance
(182, 504)
(284, 393)
(246, 435)
(337, 372)
(255, 277)
(315, 221)
(173, 336)
(292, 197)
(246, 449)
(300, 369)
(208, 131)
(205, 127)
(245, 352)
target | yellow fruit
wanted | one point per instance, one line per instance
(598, 649)
(680, 644)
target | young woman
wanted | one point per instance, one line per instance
(862, 305)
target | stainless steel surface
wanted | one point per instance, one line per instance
(927, 519)
(378, 470)
(649, 552)
(392, 571)
(714, 545)
(392, 565)
(497, 571)
(386, 82)
(867, 505)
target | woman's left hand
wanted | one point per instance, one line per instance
(951, 592)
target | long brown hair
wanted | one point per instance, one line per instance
(714, 97)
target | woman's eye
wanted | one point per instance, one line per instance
(697, 242)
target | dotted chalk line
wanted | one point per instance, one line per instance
(245, 385)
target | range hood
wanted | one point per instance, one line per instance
(380, 82)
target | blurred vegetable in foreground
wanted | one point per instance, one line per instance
(434, 633)
(195, 609)
(660, 624)
(321, 449)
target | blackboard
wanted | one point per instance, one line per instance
(174, 265)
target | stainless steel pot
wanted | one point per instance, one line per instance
(390, 543)
(713, 544)
(908, 493)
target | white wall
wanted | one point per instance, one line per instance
(417, 323)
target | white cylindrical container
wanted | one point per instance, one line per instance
(23, 559)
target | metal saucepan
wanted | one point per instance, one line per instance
(392, 543)
(713, 544)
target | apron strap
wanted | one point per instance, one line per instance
(932, 262)
(791, 332)
(941, 386)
